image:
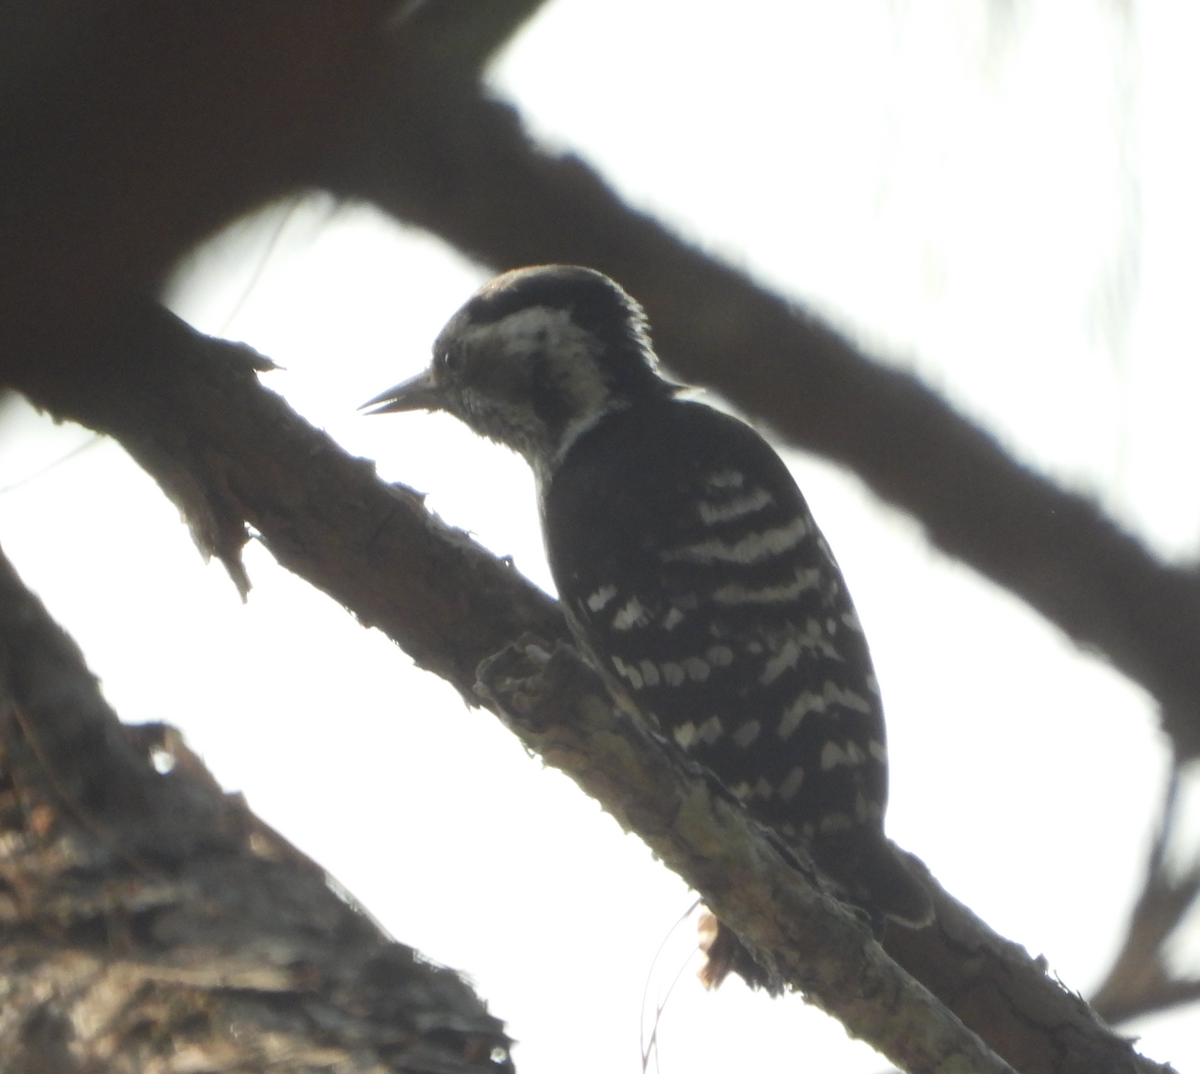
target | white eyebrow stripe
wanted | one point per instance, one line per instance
(748, 504)
(802, 580)
(750, 549)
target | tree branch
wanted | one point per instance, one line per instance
(447, 159)
(216, 112)
(148, 921)
(806, 940)
(190, 409)
(1141, 979)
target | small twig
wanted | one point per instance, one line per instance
(1139, 981)
(651, 1046)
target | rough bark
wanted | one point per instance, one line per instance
(132, 129)
(150, 924)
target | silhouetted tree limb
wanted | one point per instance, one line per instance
(808, 942)
(131, 130)
(1141, 980)
(149, 922)
(461, 165)
(192, 411)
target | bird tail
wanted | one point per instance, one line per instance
(874, 874)
(878, 876)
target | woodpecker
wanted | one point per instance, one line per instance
(688, 565)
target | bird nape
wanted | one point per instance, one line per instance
(688, 565)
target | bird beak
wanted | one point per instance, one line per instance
(418, 393)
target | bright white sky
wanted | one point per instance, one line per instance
(1000, 195)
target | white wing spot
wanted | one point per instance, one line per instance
(782, 661)
(742, 791)
(788, 654)
(601, 597)
(747, 504)
(773, 594)
(673, 674)
(747, 733)
(649, 673)
(851, 620)
(795, 712)
(685, 734)
(847, 699)
(832, 696)
(632, 614)
(750, 549)
(791, 783)
(835, 822)
(720, 656)
(877, 750)
(697, 669)
(833, 755)
(725, 479)
(710, 730)
(628, 671)
(672, 619)
(762, 788)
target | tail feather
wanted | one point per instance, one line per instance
(876, 875)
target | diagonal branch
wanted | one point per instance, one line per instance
(1141, 979)
(148, 921)
(191, 410)
(561, 709)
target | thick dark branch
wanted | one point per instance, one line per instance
(148, 126)
(463, 167)
(147, 921)
(192, 411)
(228, 452)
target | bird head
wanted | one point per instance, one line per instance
(535, 358)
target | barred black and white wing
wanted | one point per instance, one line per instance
(692, 571)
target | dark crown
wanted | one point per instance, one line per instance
(594, 303)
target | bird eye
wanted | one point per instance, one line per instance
(452, 360)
